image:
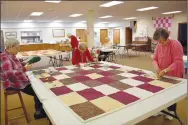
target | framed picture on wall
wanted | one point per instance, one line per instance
(10, 35)
(58, 32)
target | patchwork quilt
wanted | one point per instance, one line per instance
(94, 91)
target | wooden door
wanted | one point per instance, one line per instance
(116, 36)
(103, 35)
(2, 42)
(128, 35)
(82, 34)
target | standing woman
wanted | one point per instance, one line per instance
(74, 42)
(168, 58)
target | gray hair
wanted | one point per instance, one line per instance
(107, 38)
(82, 46)
(11, 43)
(160, 33)
(69, 34)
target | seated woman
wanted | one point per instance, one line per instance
(108, 44)
(81, 55)
(13, 74)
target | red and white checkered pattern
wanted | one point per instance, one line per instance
(163, 22)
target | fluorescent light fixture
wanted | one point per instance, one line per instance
(112, 3)
(104, 22)
(130, 18)
(75, 15)
(108, 16)
(53, 1)
(83, 21)
(36, 13)
(172, 12)
(57, 21)
(28, 21)
(147, 8)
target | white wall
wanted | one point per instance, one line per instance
(146, 24)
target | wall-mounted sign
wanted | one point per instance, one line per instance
(58, 32)
(11, 35)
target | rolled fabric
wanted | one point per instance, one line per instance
(34, 60)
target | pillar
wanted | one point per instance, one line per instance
(90, 28)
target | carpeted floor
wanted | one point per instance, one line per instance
(142, 61)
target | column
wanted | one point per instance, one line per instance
(90, 28)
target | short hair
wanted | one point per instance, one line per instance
(107, 38)
(11, 43)
(69, 34)
(160, 33)
(82, 46)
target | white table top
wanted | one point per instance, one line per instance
(60, 115)
(19, 56)
(108, 50)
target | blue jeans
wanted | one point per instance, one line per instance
(29, 91)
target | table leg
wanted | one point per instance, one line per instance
(174, 116)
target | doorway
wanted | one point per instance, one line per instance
(116, 36)
(81, 33)
(128, 35)
(182, 36)
(2, 42)
(103, 35)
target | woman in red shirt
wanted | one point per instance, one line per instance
(81, 55)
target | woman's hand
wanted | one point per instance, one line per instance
(28, 67)
(161, 74)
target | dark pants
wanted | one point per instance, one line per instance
(103, 56)
(72, 51)
(29, 91)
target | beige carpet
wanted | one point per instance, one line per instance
(142, 61)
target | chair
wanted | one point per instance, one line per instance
(12, 92)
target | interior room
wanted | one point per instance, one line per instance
(93, 62)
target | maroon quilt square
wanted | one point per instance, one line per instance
(73, 74)
(61, 68)
(150, 87)
(106, 73)
(124, 97)
(84, 72)
(117, 77)
(48, 79)
(61, 90)
(105, 80)
(143, 79)
(114, 67)
(56, 73)
(96, 66)
(81, 78)
(90, 94)
(136, 72)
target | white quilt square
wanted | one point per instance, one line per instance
(94, 76)
(87, 68)
(140, 93)
(106, 89)
(62, 76)
(77, 86)
(132, 82)
(70, 67)
(105, 69)
(66, 71)
(129, 75)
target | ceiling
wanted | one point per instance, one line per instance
(17, 11)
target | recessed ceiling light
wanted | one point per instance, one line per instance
(130, 18)
(57, 21)
(28, 21)
(108, 16)
(172, 12)
(112, 3)
(147, 8)
(36, 13)
(83, 21)
(75, 15)
(54, 1)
